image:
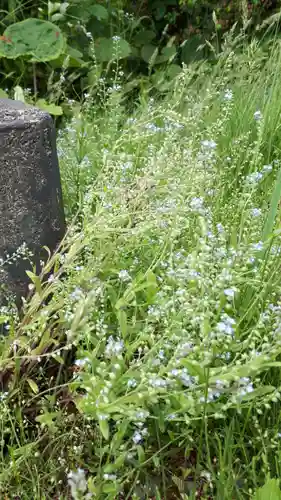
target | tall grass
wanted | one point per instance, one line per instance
(148, 364)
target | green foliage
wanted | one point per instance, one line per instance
(82, 39)
(111, 49)
(147, 364)
(270, 491)
(52, 109)
(40, 40)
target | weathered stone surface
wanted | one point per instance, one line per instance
(31, 209)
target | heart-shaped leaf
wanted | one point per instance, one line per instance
(148, 51)
(144, 37)
(167, 54)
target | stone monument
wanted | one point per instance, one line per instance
(31, 208)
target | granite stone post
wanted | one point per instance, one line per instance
(31, 208)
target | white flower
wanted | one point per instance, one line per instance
(197, 204)
(267, 168)
(77, 294)
(124, 275)
(246, 386)
(230, 292)
(82, 362)
(228, 95)
(113, 347)
(142, 415)
(226, 325)
(157, 382)
(254, 177)
(77, 482)
(209, 144)
(258, 115)
(102, 416)
(110, 477)
(137, 437)
(132, 383)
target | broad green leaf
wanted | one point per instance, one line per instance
(107, 49)
(93, 75)
(148, 52)
(167, 54)
(74, 53)
(74, 58)
(163, 80)
(34, 387)
(110, 488)
(270, 491)
(144, 37)
(40, 40)
(189, 52)
(100, 12)
(173, 71)
(84, 11)
(50, 108)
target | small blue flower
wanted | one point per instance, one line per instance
(197, 204)
(137, 437)
(258, 246)
(226, 325)
(255, 212)
(254, 177)
(229, 292)
(209, 144)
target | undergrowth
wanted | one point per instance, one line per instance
(147, 364)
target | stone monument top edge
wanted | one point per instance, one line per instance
(18, 111)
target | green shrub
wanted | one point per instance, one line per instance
(148, 364)
(140, 40)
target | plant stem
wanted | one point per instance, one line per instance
(34, 81)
